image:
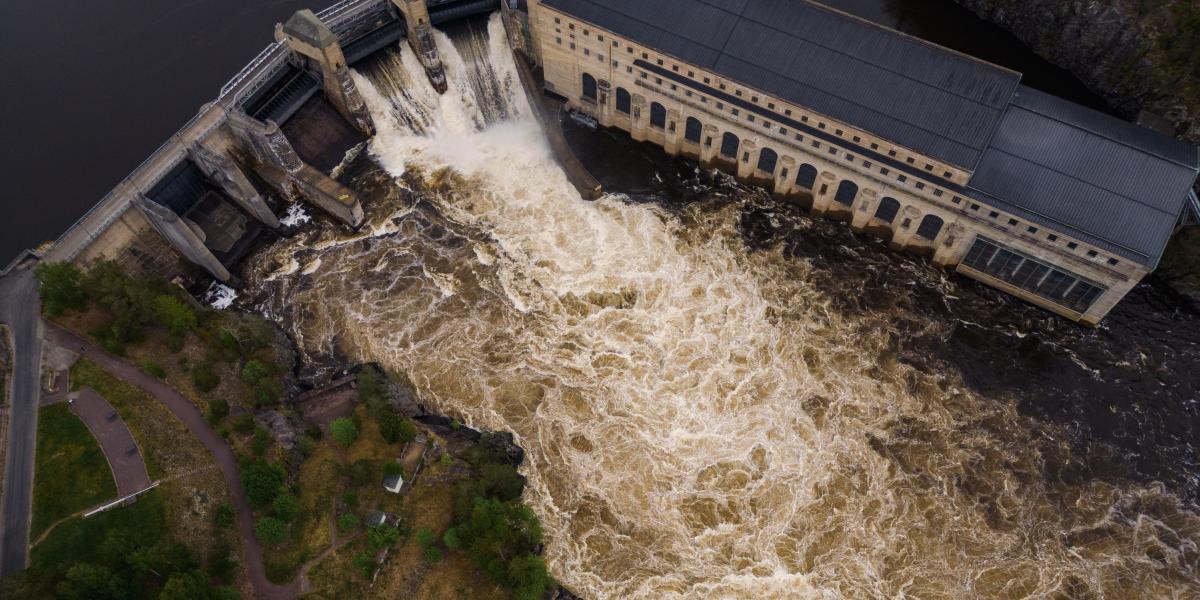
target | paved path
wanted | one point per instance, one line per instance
(124, 458)
(195, 422)
(20, 308)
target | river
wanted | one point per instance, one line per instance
(721, 397)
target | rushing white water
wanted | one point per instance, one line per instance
(700, 421)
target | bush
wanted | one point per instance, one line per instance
(501, 537)
(286, 507)
(347, 522)
(223, 515)
(372, 389)
(261, 441)
(382, 536)
(263, 382)
(343, 431)
(204, 378)
(263, 482)
(359, 472)
(365, 564)
(314, 432)
(243, 423)
(350, 499)
(218, 409)
(270, 530)
(61, 288)
(433, 554)
(306, 446)
(154, 369)
(393, 468)
(177, 317)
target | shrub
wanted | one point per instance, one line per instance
(218, 409)
(343, 431)
(433, 554)
(446, 460)
(314, 432)
(382, 536)
(286, 507)
(306, 446)
(365, 564)
(223, 515)
(372, 389)
(261, 441)
(270, 530)
(263, 482)
(393, 468)
(177, 317)
(154, 369)
(204, 378)
(395, 428)
(359, 472)
(243, 423)
(350, 499)
(347, 522)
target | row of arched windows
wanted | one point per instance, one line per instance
(768, 159)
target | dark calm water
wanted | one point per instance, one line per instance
(91, 88)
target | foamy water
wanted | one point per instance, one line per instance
(700, 422)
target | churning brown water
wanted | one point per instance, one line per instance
(700, 420)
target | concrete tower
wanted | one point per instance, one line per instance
(420, 38)
(306, 35)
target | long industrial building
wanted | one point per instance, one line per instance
(1063, 206)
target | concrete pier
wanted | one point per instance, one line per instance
(307, 36)
(420, 39)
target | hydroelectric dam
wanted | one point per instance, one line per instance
(721, 394)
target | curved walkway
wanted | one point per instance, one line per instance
(118, 445)
(196, 423)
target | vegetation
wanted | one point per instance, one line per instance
(343, 431)
(61, 288)
(262, 482)
(71, 473)
(125, 553)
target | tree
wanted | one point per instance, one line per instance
(262, 482)
(164, 556)
(364, 563)
(186, 585)
(286, 507)
(347, 522)
(177, 317)
(395, 428)
(270, 530)
(223, 516)
(86, 581)
(497, 536)
(528, 577)
(372, 389)
(204, 378)
(60, 289)
(343, 431)
(218, 408)
(382, 536)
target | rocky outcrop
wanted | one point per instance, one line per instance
(1138, 54)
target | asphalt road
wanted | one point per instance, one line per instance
(21, 310)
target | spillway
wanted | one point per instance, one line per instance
(702, 419)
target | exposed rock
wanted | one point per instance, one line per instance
(1138, 55)
(279, 427)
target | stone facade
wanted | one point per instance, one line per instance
(661, 100)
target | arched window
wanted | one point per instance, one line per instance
(929, 227)
(692, 130)
(589, 87)
(658, 115)
(729, 145)
(767, 159)
(806, 177)
(846, 192)
(888, 208)
(623, 100)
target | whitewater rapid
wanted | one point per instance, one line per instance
(700, 420)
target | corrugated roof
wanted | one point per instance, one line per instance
(1110, 183)
(924, 97)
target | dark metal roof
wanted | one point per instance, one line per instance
(1108, 182)
(933, 100)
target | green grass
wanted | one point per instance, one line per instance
(71, 474)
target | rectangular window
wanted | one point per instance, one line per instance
(910, 160)
(705, 80)
(820, 126)
(874, 146)
(1092, 254)
(938, 193)
(787, 112)
(1072, 245)
(956, 199)
(867, 164)
(1032, 229)
(691, 73)
(892, 153)
(947, 174)
(816, 144)
(750, 118)
(993, 214)
(771, 105)
(837, 132)
(1012, 222)
(928, 167)
(974, 207)
(1112, 262)
(572, 45)
(901, 178)
(600, 38)
(783, 130)
(734, 112)
(1052, 237)
(833, 150)
(559, 40)
(720, 106)
(857, 139)
(803, 119)
(920, 185)
(884, 170)
(587, 52)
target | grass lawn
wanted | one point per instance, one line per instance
(71, 473)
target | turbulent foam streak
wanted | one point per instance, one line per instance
(700, 422)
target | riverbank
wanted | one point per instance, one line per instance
(1180, 267)
(1138, 55)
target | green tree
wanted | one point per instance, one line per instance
(223, 515)
(164, 556)
(528, 577)
(499, 537)
(395, 428)
(260, 442)
(85, 581)
(343, 431)
(186, 585)
(177, 317)
(263, 482)
(61, 288)
(286, 507)
(365, 564)
(372, 389)
(270, 530)
(382, 536)
(218, 409)
(204, 378)
(347, 522)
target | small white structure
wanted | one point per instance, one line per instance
(393, 483)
